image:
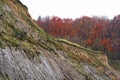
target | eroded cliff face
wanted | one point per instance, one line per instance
(28, 53)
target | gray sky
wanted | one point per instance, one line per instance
(72, 8)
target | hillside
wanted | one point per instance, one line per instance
(28, 53)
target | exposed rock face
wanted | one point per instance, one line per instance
(28, 53)
(16, 65)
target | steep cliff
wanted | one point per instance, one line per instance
(28, 53)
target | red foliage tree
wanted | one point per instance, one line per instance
(95, 32)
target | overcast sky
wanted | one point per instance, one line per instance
(72, 8)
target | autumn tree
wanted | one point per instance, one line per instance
(98, 33)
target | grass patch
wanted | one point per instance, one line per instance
(77, 45)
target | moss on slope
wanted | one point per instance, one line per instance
(18, 30)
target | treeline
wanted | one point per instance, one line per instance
(94, 32)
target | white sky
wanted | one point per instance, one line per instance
(72, 8)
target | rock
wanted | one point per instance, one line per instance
(28, 53)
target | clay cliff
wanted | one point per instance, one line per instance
(28, 53)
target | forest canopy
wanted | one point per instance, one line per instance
(97, 33)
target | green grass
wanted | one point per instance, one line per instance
(77, 45)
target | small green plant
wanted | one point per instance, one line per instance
(19, 34)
